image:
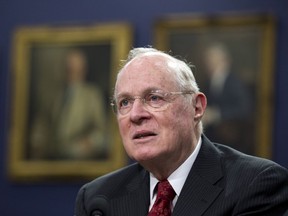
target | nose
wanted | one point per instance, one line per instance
(138, 111)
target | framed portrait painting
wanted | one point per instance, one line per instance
(62, 124)
(232, 57)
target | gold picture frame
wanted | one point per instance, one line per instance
(51, 138)
(250, 41)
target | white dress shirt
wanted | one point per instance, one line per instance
(177, 178)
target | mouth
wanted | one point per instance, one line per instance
(144, 134)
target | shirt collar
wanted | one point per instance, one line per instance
(179, 176)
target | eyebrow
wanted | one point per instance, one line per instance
(126, 94)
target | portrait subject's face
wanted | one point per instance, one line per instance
(162, 135)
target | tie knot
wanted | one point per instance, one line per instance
(165, 190)
(163, 202)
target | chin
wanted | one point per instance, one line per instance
(145, 157)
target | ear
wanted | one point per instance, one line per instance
(200, 103)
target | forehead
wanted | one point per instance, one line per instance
(145, 72)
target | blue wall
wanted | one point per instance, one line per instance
(57, 199)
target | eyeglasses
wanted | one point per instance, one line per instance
(155, 101)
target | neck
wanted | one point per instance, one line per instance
(163, 167)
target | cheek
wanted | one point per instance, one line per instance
(168, 125)
(124, 132)
(182, 122)
(123, 126)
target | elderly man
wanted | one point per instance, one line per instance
(178, 170)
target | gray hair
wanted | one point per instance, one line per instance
(180, 69)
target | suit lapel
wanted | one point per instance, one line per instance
(198, 193)
(136, 201)
(199, 190)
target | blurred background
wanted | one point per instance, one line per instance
(57, 197)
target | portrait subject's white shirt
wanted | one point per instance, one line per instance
(177, 178)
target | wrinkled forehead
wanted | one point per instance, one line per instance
(146, 71)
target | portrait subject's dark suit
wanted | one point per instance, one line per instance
(232, 101)
(221, 182)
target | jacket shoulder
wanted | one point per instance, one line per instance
(116, 181)
(234, 164)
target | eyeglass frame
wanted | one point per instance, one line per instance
(148, 106)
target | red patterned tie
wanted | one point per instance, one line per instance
(165, 195)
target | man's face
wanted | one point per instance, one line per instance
(161, 135)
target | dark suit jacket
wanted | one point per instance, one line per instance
(221, 182)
